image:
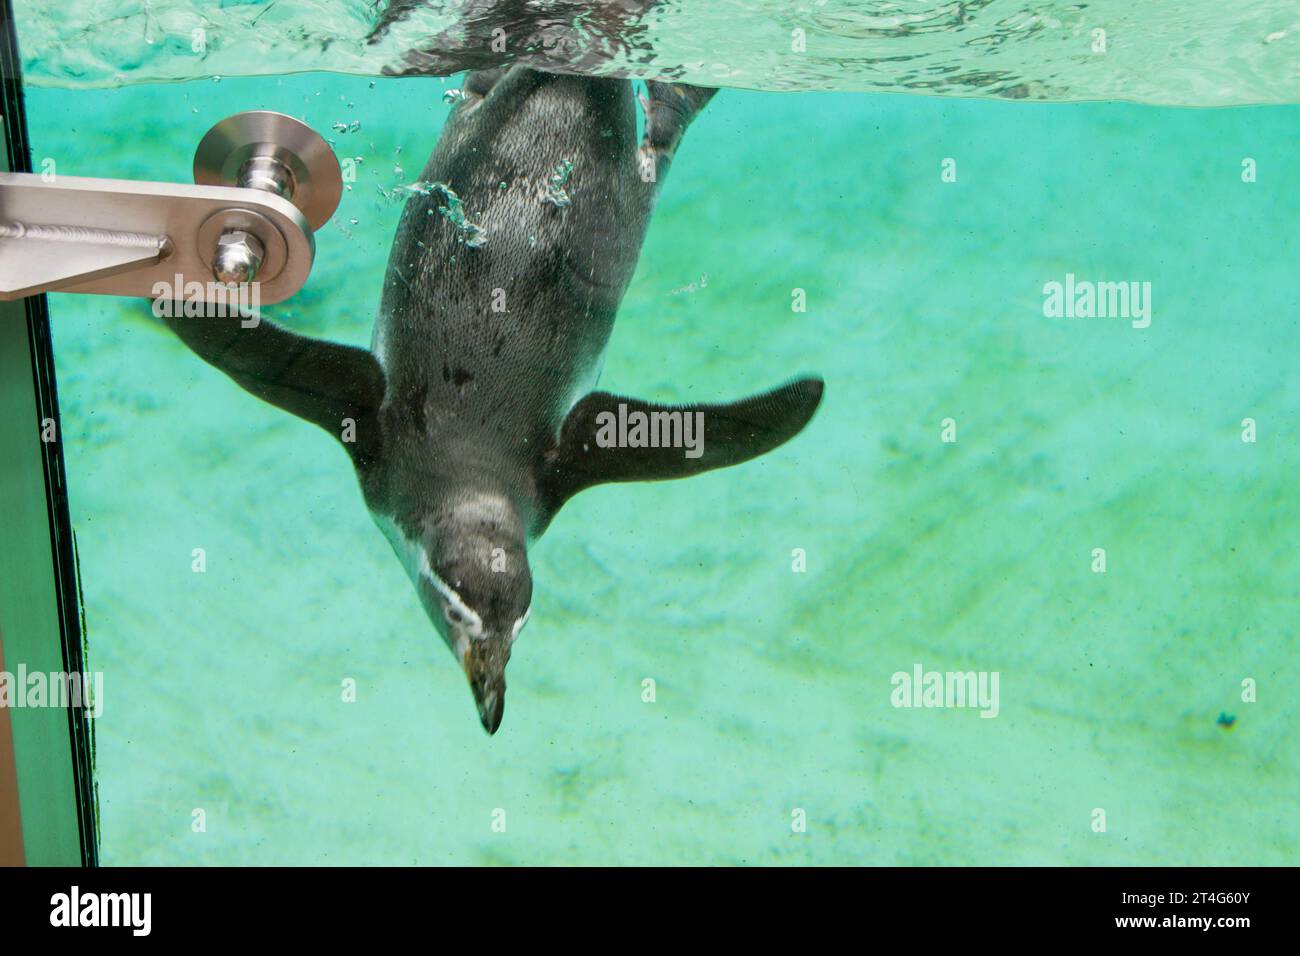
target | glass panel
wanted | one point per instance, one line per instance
(47, 800)
(1091, 514)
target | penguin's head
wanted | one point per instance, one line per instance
(478, 594)
(469, 565)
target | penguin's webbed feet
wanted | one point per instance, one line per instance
(669, 109)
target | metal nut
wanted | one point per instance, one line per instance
(239, 256)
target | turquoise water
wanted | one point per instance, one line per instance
(1191, 53)
(924, 302)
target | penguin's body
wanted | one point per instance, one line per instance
(485, 349)
(472, 419)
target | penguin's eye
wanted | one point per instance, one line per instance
(456, 611)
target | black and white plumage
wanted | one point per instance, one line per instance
(472, 418)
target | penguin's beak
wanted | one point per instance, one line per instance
(491, 699)
(485, 667)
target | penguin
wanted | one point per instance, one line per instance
(474, 416)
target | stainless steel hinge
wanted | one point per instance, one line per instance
(263, 183)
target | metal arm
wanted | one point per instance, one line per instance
(265, 182)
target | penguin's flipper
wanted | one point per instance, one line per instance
(598, 441)
(669, 109)
(322, 382)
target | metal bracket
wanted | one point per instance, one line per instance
(265, 181)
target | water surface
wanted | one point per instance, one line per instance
(1191, 53)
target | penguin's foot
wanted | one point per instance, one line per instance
(478, 84)
(669, 109)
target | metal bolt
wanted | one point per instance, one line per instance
(269, 175)
(239, 256)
